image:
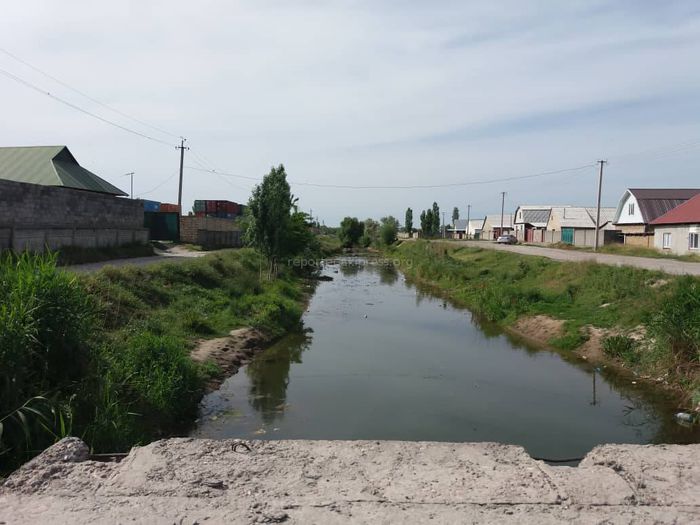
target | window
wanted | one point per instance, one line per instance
(667, 240)
(694, 241)
(630, 208)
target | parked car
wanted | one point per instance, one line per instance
(507, 239)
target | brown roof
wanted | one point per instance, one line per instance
(686, 213)
(655, 202)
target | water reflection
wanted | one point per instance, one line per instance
(269, 375)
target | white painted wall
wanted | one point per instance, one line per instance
(679, 238)
(625, 217)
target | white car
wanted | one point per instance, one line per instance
(507, 239)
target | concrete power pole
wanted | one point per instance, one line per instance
(597, 216)
(443, 225)
(469, 209)
(503, 204)
(131, 174)
(182, 149)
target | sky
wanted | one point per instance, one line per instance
(363, 93)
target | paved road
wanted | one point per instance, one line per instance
(671, 266)
(233, 481)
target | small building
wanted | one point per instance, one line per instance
(576, 225)
(491, 226)
(49, 200)
(458, 230)
(639, 207)
(678, 230)
(474, 228)
(531, 223)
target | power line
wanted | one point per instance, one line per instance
(81, 93)
(78, 108)
(160, 185)
(418, 186)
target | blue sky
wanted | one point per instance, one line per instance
(366, 93)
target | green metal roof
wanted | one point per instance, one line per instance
(50, 166)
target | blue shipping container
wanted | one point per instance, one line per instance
(151, 206)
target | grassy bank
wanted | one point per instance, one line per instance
(651, 320)
(106, 356)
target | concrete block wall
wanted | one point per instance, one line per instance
(34, 217)
(191, 226)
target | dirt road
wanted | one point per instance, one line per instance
(174, 254)
(204, 481)
(671, 266)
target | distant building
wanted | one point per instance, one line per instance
(576, 225)
(531, 222)
(638, 208)
(678, 230)
(491, 227)
(458, 230)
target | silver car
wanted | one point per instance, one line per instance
(507, 239)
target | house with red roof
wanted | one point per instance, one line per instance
(678, 230)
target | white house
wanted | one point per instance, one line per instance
(678, 231)
(491, 227)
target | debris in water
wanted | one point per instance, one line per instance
(685, 417)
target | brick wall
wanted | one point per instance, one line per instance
(34, 216)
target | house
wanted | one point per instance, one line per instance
(458, 230)
(474, 228)
(531, 222)
(576, 225)
(47, 200)
(678, 230)
(638, 208)
(491, 226)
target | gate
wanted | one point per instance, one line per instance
(162, 226)
(567, 235)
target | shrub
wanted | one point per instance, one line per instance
(677, 321)
(621, 347)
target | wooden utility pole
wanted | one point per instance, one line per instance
(597, 216)
(443, 225)
(469, 209)
(503, 204)
(182, 149)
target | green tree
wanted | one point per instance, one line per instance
(436, 220)
(408, 222)
(429, 223)
(350, 232)
(423, 224)
(371, 236)
(455, 214)
(269, 210)
(388, 230)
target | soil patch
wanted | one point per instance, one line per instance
(230, 352)
(540, 329)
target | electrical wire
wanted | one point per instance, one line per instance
(83, 94)
(160, 185)
(78, 108)
(407, 187)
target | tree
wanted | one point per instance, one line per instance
(429, 223)
(388, 230)
(436, 219)
(350, 232)
(424, 224)
(408, 222)
(371, 235)
(269, 218)
(455, 214)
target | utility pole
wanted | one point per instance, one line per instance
(469, 209)
(597, 217)
(443, 225)
(130, 174)
(182, 149)
(503, 204)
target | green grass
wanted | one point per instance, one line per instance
(622, 249)
(106, 356)
(502, 287)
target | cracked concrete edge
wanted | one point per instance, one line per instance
(336, 481)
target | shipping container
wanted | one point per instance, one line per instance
(167, 207)
(200, 205)
(151, 205)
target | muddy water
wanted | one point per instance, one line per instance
(381, 359)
